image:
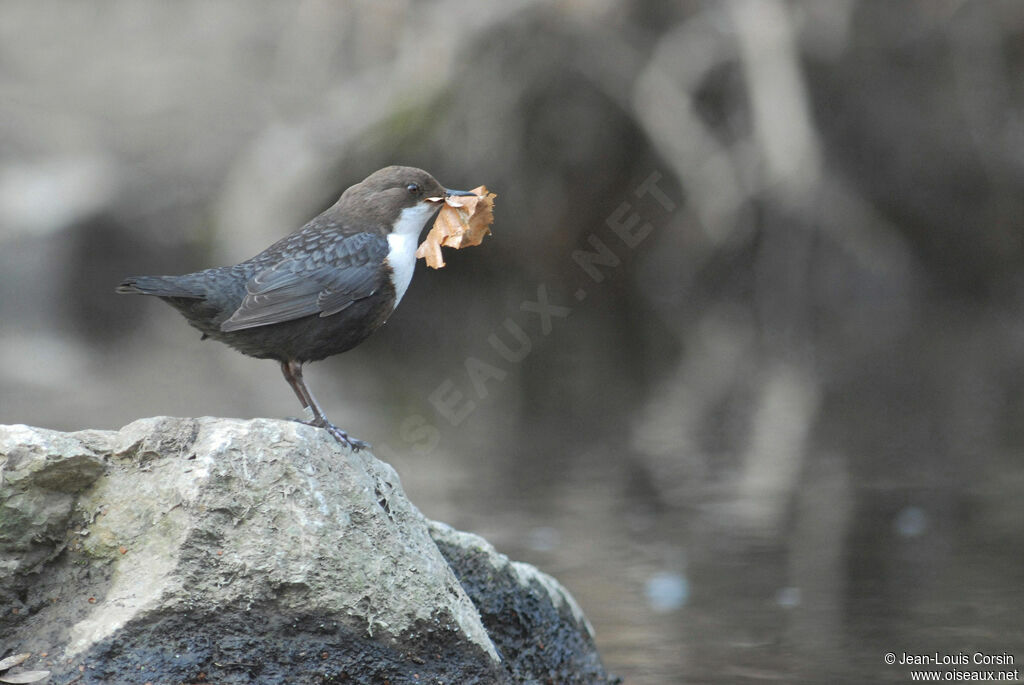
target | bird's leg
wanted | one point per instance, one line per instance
(294, 378)
(292, 371)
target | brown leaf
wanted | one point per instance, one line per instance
(462, 222)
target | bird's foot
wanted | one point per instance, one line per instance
(346, 439)
(338, 434)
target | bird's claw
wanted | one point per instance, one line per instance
(346, 439)
(338, 434)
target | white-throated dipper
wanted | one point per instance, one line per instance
(321, 290)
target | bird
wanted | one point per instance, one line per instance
(318, 291)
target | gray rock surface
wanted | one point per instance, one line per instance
(229, 551)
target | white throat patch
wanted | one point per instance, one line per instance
(403, 242)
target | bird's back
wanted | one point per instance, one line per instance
(321, 251)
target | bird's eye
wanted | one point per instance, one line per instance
(413, 187)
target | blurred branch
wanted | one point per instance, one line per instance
(786, 411)
(778, 95)
(663, 101)
(720, 350)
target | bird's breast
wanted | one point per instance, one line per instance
(402, 260)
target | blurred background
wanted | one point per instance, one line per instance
(742, 364)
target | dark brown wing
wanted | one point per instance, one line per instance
(325, 283)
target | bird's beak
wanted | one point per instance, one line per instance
(448, 192)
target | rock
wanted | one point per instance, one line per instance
(228, 551)
(532, 620)
(43, 472)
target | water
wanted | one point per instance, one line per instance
(697, 595)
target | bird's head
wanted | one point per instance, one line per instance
(400, 199)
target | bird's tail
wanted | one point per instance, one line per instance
(161, 286)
